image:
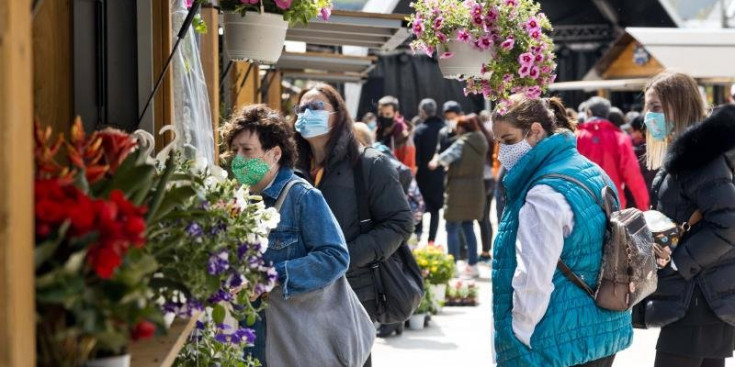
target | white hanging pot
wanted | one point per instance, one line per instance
(465, 63)
(416, 322)
(255, 36)
(117, 361)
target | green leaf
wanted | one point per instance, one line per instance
(75, 262)
(46, 250)
(173, 198)
(161, 188)
(218, 314)
(250, 320)
(111, 341)
(140, 265)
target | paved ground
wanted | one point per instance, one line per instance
(461, 336)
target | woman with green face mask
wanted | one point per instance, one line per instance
(694, 303)
(307, 248)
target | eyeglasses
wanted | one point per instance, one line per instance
(313, 106)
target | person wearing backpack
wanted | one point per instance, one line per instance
(541, 317)
(695, 301)
(331, 155)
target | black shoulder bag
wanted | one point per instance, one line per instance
(398, 283)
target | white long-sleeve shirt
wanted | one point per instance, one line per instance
(544, 221)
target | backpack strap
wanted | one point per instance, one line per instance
(363, 203)
(574, 278)
(284, 193)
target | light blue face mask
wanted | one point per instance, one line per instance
(657, 125)
(311, 124)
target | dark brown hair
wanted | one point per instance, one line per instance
(549, 112)
(472, 123)
(270, 126)
(343, 126)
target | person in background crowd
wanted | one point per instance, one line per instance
(393, 131)
(732, 94)
(314, 253)
(582, 112)
(541, 318)
(630, 116)
(694, 303)
(638, 136)
(572, 114)
(371, 121)
(452, 111)
(363, 134)
(486, 228)
(464, 161)
(603, 143)
(617, 117)
(329, 153)
(430, 182)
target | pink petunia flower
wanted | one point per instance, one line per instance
(533, 92)
(463, 36)
(485, 42)
(325, 13)
(536, 34)
(446, 55)
(532, 24)
(477, 10)
(284, 4)
(438, 22)
(545, 69)
(251, 2)
(511, 3)
(441, 36)
(526, 59)
(418, 27)
(493, 13)
(552, 78)
(535, 49)
(188, 3)
(508, 44)
(534, 72)
(507, 78)
(478, 19)
(428, 50)
(539, 58)
(524, 71)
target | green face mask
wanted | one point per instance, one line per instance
(249, 171)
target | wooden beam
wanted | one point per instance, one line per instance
(275, 90)
(210, 63)
(161, 351)
(163, 103)
(246, 93)
(52, 81)
(17, 307)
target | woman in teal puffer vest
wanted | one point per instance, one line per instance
(542, 318)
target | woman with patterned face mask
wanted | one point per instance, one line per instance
(694, 303)
(541, 317)
(330, 156)
(307, 248)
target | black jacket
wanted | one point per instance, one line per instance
(431, 183)
(698, 174)
(391, 216)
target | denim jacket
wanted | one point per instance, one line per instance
(307, 248)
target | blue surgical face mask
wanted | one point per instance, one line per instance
(312, 123)
(372, 124)
(657, 125)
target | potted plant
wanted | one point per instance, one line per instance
(256, 29)
(462, 293)
(418, 319)
(516, 55)
(92, 268)
(438, 268)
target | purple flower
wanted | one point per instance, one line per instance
(446, 55)
(171, 307)
(526, 59)
(200, 325)
(533, 92)
(218, 263)
(463, 36)
(220, 296)
(223, 327)
(222, 338)
(534, 72)
(244, 335)
(194, 230)
(524, 71)
(219, 227)
(532, 24)
(438, 22)
(236, 280)
(272, 275)
(283, 4)
(508, 44)
(242, 250)
(254, 262)
(325, 13)
(205, 205)
(418, 27)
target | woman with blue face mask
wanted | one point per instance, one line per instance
(694, 303)
(329, 156)
(541, 318)
(307, 248)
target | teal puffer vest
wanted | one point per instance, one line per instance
(573, 330)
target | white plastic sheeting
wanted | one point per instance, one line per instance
(192, 115)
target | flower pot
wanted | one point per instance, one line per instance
(466, 62)
(118, 361)
(255, 36)
(439, 292)
(416, 322)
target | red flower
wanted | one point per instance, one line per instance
(143, 330)
(116, 145)
(104, 260)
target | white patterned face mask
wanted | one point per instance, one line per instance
(510, 154)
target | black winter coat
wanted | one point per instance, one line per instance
(431, 183)
(698, 174)
(391, 216)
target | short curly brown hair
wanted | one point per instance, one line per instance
(272, 131)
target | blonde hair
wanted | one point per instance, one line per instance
(682, 105)
(363, 134)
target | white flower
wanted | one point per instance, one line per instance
(218, 172)
(199, 166)
(241, 197)
(210, 182)
(271, 218)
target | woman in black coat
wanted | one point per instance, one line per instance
(695, 300)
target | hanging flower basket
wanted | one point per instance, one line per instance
(465, 61)
(255, 37)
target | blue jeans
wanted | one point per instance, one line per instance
(469, 235)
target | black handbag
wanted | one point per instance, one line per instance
(398, 282)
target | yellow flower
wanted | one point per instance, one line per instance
(434, 269)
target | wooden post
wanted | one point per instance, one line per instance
(210, 63)
(274, 90)
(248, 94)
(17, 307)
(163, 103)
